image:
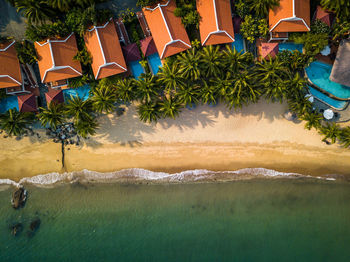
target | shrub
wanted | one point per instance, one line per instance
(313, 43)
(253, 28)
(319, 27)
(26, 52)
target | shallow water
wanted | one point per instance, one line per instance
(254, 220)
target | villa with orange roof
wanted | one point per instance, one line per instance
(216, 25)
(289, 16)
(103, 44)
(10, 70)
(55, 60)
(168, 32)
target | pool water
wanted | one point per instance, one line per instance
(336, 104)
(136, 69)
(154, 62)
(82, 92)
(7, 103)
(290, 46)
(318, 73)
(238, 44)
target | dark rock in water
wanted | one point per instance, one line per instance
(19, 197)
(16, 229)
(34, 226)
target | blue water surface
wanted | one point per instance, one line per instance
(136, 69)
(328, 100)
(7, 103)
(318, 73)
(82, 92)
(238, 44)
(154, 62)
(290, 46)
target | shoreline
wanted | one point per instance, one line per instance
(208, 138)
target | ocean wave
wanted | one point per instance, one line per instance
(139, 174)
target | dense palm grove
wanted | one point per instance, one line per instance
(201, 75)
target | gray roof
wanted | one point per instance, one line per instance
(341, 68)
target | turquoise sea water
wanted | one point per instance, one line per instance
(254, 220)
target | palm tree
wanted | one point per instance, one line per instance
(275, 91)
(340, 7)
(208, 93)
(313, 120)
(148, 112)
(211, 61)
(331, 131)
(223, 85)
(243, 90)
(15, 123)
(268, 71)
(86, 127)
(235, 61)
(125, 89)
(188, 95)
(147, 88)
(104, 99)
(170, 107)
(295, 84)
(299, 104)
(261, 7)
(345, 137)
(189, 64)
(52, 115)
(170, 77)
(62, 5)
(79, 109)
(35, 10)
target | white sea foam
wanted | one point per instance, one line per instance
(139, 174)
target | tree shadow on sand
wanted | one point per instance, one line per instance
(189, 118)
(126, 129)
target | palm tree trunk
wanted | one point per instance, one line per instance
(62, 149)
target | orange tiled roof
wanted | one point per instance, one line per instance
(290, 16)
(168, 32)
(103, 44)
(56, 59)
(10, 71)
(215, 25)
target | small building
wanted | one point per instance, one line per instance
(289, 16)
(341, 67)
(56, 63)
(216, 25)
(103, 44)
(10, 70)
(54, 95)
(324, 16)
(168, 32)
(27, 103)
(267, 50)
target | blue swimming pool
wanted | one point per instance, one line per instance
(7, 103)
(318, 73)
(336, 104)
(290, 46)
(238, 44)
(154, 62)
(82, 92)
(136, 69)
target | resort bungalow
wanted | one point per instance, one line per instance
(10, 70)
(55, 60)
(168, 32)
(289, 16)
(216, 25)
(103, 44)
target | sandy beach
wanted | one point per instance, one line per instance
(212, 138)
